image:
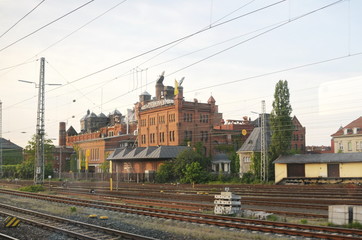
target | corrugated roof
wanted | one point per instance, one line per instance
(321, 158)
(153, 152)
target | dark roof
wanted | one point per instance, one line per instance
(252, 143)
(7, 144)
(221, 158)
(321, 158)
(153, 152)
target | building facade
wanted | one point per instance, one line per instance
(329, 167)
(99, 137)
(169, 120)
(349, 138)
(252, 145)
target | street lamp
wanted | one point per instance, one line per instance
(40, 131)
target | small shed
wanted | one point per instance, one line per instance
(319, 166)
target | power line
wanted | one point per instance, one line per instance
(46, 25)
(21, 18)
(258, 35)
(175, 41)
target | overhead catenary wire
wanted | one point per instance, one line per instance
(12, 26)
(174, 41)
(46, 25)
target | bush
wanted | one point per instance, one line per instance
(73, 209)
(272, 218)
(33, 188)
(304, 221)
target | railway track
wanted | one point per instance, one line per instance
(70, 228)
(222, 221)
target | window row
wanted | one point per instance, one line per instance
(161, 137)
(297, 137)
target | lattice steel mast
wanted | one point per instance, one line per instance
(40, 131)
(263, 163)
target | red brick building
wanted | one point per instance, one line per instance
(95, 141)
(169, 120)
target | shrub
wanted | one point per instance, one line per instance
(73, 209)
(304, 221)
(33, 188)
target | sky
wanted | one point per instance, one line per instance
(106, 53)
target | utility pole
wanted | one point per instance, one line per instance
(263, 165)
(40, 131)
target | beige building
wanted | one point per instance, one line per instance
(349, 138)
(329, 166)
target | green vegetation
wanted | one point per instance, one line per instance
(25, 169)
(73, 209)
(272, 218)
(303, 221)
(281, 125)
(33, 188)
(190, 166)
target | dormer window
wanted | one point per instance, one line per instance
(347, 131)
(356, 130)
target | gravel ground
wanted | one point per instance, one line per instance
(142, 225)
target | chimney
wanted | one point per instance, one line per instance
(62, 134)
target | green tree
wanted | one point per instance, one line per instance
(281, 124)
(175, 170)
(194, 173)
(27, 166)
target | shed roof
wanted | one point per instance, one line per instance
(152, 152)
(321, 158)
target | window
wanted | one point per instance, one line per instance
(110, 134)
(188, 135)
(246, 159)
(143, 122)
(171, 117)
(152, 137)
(172, 136)
(349, 146)
(340, 146)
(161, 119)
(162, 136)
(143, 139)
(152, 121)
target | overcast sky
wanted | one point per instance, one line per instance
(108, 52)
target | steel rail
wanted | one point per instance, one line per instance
(241, 223)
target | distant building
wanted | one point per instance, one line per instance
(349, 138)
(11, 153)
(99, 137)
(252, 144)
(319, 168)
(318, 149)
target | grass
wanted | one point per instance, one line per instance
(33, 188)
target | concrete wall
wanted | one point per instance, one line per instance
(350, 169)
(280, 171)
(316, 170)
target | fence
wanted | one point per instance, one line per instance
(118, 177)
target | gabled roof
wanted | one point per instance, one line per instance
(152, 152)
(321, 158)
(354, 124)
(253, 142)
(7, 144)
